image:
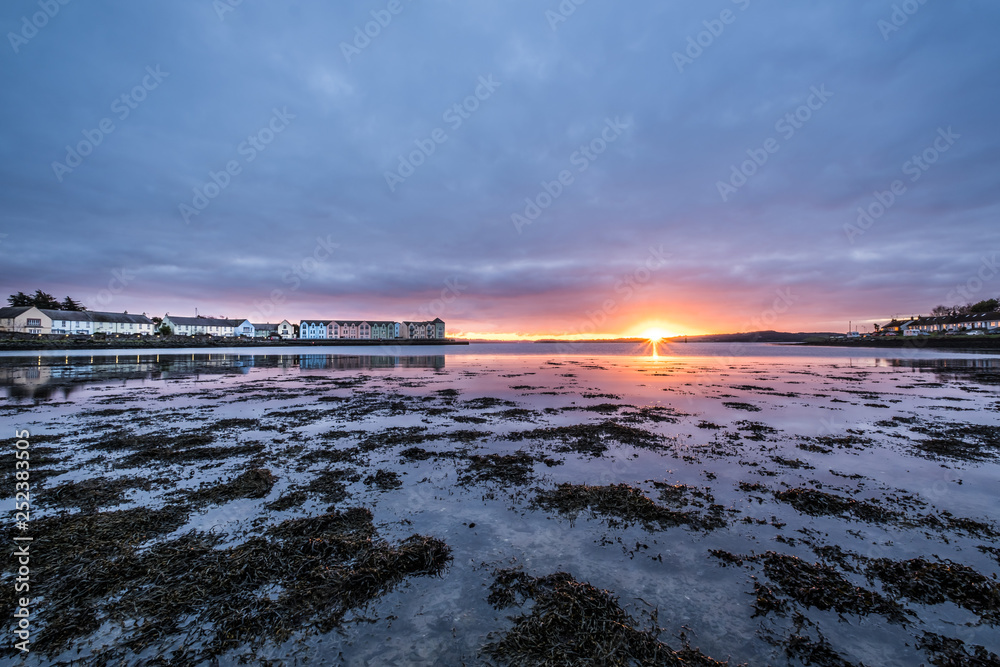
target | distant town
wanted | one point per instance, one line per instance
(41, 314)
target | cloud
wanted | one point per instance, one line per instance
(325, 174)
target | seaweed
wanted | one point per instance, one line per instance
(951, 652)
(739, 405)
(90, 494)
(819, 503)
(301, 575)
(624, 503)
(592, 439)
(933, 583)
(575, 623)
(510, 469)
(963, 442)
(329, 484)
(254, 483)
(384, 479)
(823, 587)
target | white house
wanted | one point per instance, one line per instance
(313, 329)
(192, 326)
(286, 329)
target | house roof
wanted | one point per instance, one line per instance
(267, 326)
(13, 311)
(323, 322)
(359, 322)
(203, 321)
(95, 316)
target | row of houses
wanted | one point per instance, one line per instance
(370, 329)
(35, 320)
(971, 323)
(86, 322)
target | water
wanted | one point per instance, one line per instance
(738, 424)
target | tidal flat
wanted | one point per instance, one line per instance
(508, 505)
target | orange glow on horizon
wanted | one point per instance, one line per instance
(648, 333)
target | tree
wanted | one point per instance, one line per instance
(165, 330)
(69, 303)
(985, 306)
(19, 300)
(44, 300)
(157, 320)
(939, 311)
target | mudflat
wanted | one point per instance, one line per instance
(508, 507)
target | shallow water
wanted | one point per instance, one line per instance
(734, 424)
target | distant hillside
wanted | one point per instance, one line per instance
(755, 337)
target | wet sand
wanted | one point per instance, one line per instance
(508, 508)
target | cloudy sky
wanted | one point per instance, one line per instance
(513, 166)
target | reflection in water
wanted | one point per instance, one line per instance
(43, 377)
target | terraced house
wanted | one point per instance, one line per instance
(420, 330)
(88, 322)
(370, 329)
(945, 324)
(363, 330)
(313, 329)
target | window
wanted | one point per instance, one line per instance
(34, 322)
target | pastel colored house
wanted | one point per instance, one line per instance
(363, 330)
(313, 329)
(25, 319)
(422, 330)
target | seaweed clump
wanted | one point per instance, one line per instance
(823, 587)
(575, 623)
(964, 442)
(254, 483)
(933, 583)
(512, 469)
(621, 502)
(819, 503)
(384, 480)
(951, 652)
(90, 494)
(301, 575)
(592, 439)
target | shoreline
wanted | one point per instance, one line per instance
(956, 343)
(30, 344)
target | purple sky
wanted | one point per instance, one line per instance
(506, 165)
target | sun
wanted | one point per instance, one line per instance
(655, 333)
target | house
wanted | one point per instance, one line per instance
(90, 322)
(944, 324)
(266, 330)
(25, 319)
(210, 326)
(286, 329)
(419, 330)
(363, 329)
(313, 329)
(982, 321)
(895, 327)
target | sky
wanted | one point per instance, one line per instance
(517, 168)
